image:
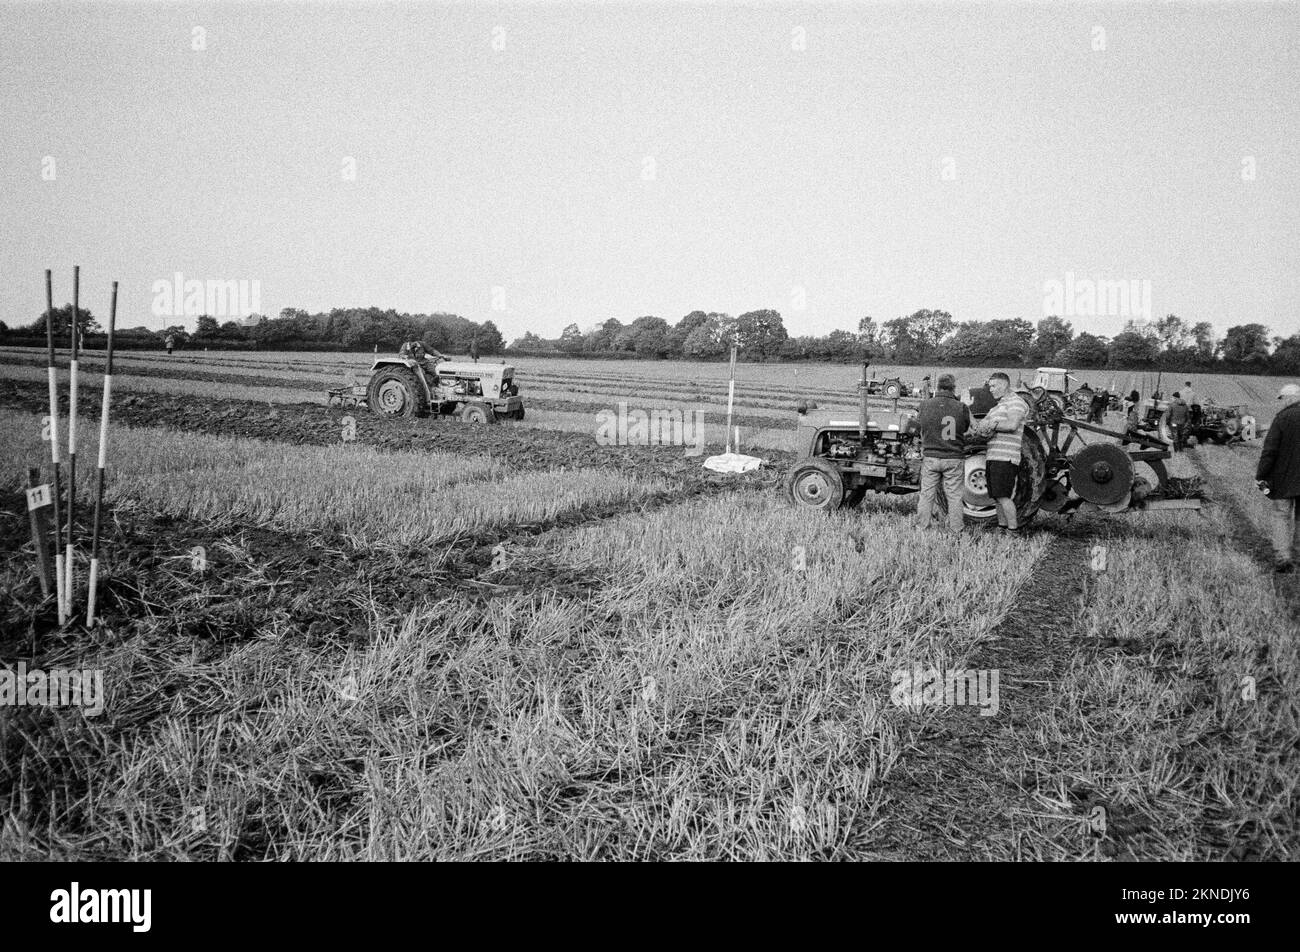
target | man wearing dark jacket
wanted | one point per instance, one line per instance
(944, 421)
(1278, 474)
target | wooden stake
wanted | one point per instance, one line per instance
(38, 511)
(69, 567)
(103, 461)
(54, 442)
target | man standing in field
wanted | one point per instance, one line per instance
(1005, 427)
(1193, 402)
(944, 421)
(1097, 407)
(981, 401)
(170, 342)
(926, 393)
(1278, 475)
(1178, 421)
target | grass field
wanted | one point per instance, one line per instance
(437, 641)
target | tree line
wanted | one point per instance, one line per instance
(295, 329)
(929, 337)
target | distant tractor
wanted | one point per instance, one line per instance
(1218, 424)
(891, 388)
(419, 383)
(1055, 382)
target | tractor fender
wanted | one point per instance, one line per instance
(410, 365)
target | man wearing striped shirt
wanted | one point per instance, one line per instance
(1005, 427)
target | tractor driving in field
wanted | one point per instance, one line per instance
(420, 382)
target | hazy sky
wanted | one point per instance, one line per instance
(617, 160)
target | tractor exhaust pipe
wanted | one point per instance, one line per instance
(862, 405)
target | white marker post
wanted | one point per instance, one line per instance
(60, 598)
(69, 567)
(731, 395)
(103, 462)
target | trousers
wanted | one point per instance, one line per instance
(952, 474)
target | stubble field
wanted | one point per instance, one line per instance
(438, 641)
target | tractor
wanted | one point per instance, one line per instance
(845, 454)
(419, 382)
(891, 388)
(1055, 382)
(1217, 424)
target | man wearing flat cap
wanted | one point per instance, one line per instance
(1278, 475)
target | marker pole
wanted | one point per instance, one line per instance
(54, 440)
(103, 461)
(71, 588)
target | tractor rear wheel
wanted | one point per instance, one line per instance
(893, 388)
(394, 391)
(478, 414)
(816, 484)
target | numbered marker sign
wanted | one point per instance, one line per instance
(38, 496)
(349, 429)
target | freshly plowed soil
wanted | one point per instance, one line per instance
(522, 448)
(709, 402)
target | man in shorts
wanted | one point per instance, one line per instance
(1004, 425)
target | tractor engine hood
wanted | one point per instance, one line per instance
(456, 368)
(900, 421)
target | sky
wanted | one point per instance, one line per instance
(545, 164)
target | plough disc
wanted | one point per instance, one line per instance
(1102, 474)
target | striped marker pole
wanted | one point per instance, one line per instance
(103, 460)
(54, 441)
(69, 567)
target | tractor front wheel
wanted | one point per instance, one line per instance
(816, 484)
(478, 415)
(394, 391)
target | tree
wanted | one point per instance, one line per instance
(650, 337)
(1133, 349)
(1173, 333)
(1286, 356)
(869, 337)
(605, 338)
(207, 327)
(918, 335)
(760, 333)
(1086, 350)
(571, 339)
(705, 342)
(63, 323)
(1245, 344)
(1053, 334)
(682, 330)
(930, 328)
(990, 342)
(1203, 342)
(490, 340)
